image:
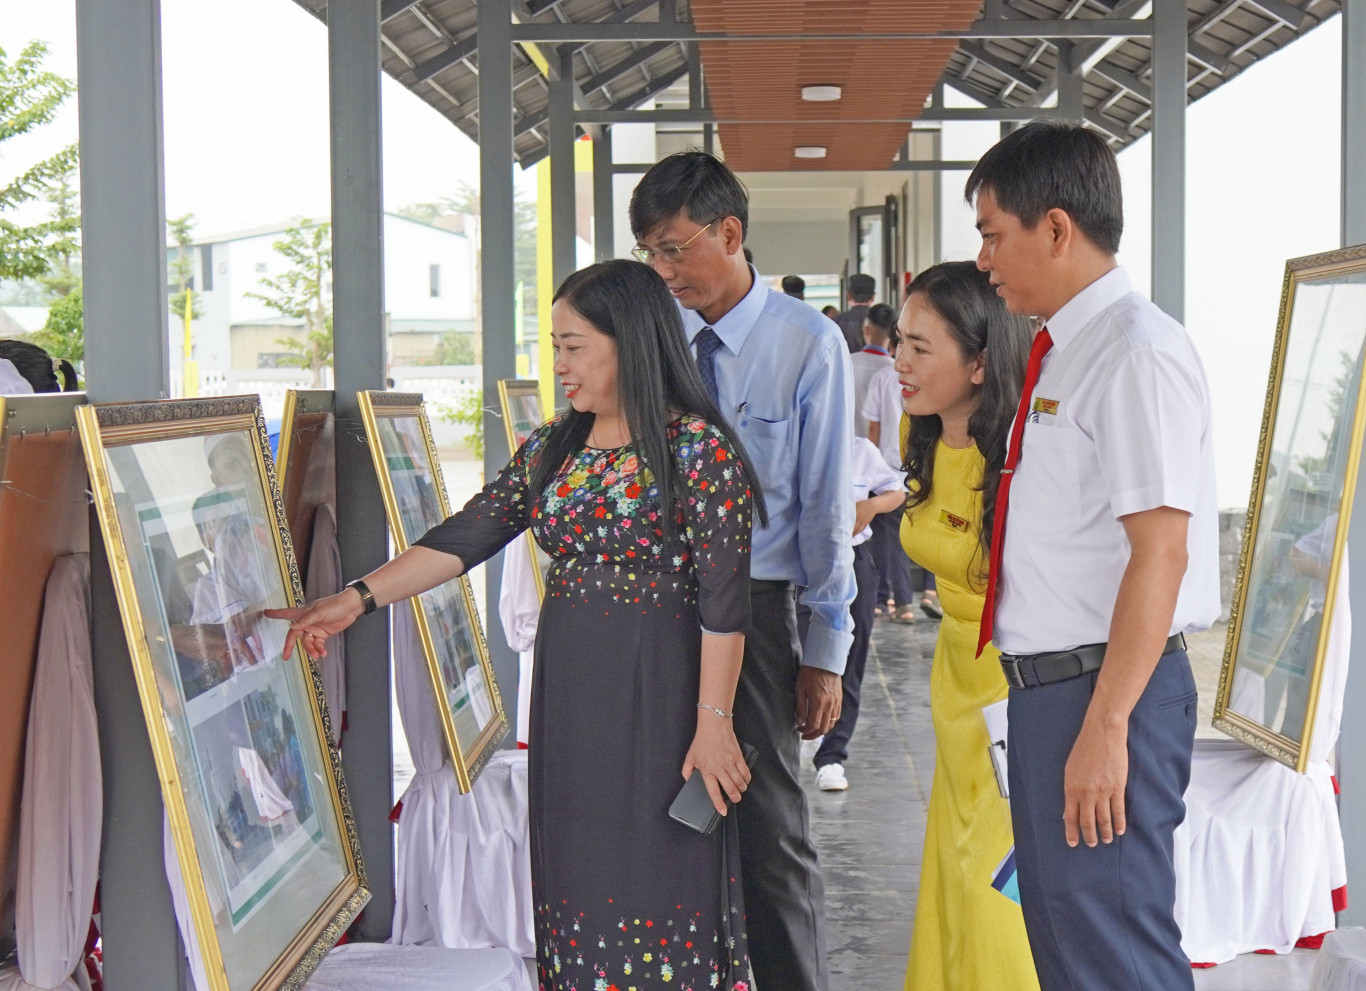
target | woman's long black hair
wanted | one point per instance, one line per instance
(34, 364)
(657, 379)
(979, 322)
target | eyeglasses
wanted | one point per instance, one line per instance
(669, 252)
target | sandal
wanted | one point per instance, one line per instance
(906, 614)
(929, 605)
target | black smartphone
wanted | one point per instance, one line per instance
(693, 806)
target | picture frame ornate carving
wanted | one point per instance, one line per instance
(1304, 483)
(473, 719)
(198, 547)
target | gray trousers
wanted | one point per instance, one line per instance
(784, 892)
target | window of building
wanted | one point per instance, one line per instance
(434, 278)
(206, 261)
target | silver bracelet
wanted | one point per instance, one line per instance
(711, 708)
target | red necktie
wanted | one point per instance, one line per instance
(1042, 342)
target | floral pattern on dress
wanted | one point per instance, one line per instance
(599, 521)
(637, 952)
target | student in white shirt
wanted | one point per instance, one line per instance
(878, 490)
(1108, 555)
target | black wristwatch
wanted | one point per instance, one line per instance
(367, 597)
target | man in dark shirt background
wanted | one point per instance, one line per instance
(862, 288)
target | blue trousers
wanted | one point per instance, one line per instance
(1101, 918)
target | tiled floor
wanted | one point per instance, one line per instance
(870, 837)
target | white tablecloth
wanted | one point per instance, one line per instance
(1341, 964)
(374, 966)
(464, 861)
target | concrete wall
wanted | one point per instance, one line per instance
(798, 248)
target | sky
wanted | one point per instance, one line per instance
(246, 142)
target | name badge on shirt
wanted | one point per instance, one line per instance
(952, 521)
(1043, 407)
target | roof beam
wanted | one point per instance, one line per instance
(389, 9)
(632, 61)
(458, 52)
(1125, 80)
(1284, 11)
(981, 53)
(665, 31)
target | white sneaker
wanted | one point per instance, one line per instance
(809, 748)
(831, 778)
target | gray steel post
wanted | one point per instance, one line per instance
(497, 279)
(1352, 742)
(1169, 156)
(561, 140)
(123, 230)
(604, 218)
(1070, 82)
(358, 342)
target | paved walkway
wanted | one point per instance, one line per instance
(870, 837)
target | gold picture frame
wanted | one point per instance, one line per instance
(471, 708)
(198, 546)
(522, 414)
(1304, 482)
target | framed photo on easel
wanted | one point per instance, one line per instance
(522, 414)
(469, 703)
(258, 809)
(1304, 483)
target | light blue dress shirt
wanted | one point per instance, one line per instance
(786, 385)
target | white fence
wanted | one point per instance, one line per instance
(441, 385)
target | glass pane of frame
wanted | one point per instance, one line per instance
(1301, 500)
(471, 708)
(198, 547)
(522, 414)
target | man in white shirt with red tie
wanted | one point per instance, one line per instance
(1105, 552)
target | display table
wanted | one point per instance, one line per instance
(1341, 965)
(368, 966)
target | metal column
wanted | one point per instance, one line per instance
(497, 279)
(561, 140)
(604, 214)
(358, 342)
(1169, 156)
(123, 230)
(1352, 742)
(1070, 82)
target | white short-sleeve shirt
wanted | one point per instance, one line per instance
(872, 476)
(882, 405)
(1119, 423)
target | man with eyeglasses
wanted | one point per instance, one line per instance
(780, 372)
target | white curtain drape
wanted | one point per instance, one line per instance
(519, 607)
(63, 800)
(464, 861)
(1260, 858)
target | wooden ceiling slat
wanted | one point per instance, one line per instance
(880, 79)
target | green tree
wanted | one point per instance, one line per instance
(29, 98)
(303, 292)
(62, 277)
(63, 336)
(455, 348)
(182, 268)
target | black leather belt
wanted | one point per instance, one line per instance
(1033, 670)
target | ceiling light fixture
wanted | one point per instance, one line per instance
(821, 94)
(809, 151)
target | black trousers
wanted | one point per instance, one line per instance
(834, 748)
(784, 891)
(1103, 917)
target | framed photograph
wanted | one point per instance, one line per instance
(198, 546)
(1302, 490)
(471, 708)
(522, 414)
(307, 467)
